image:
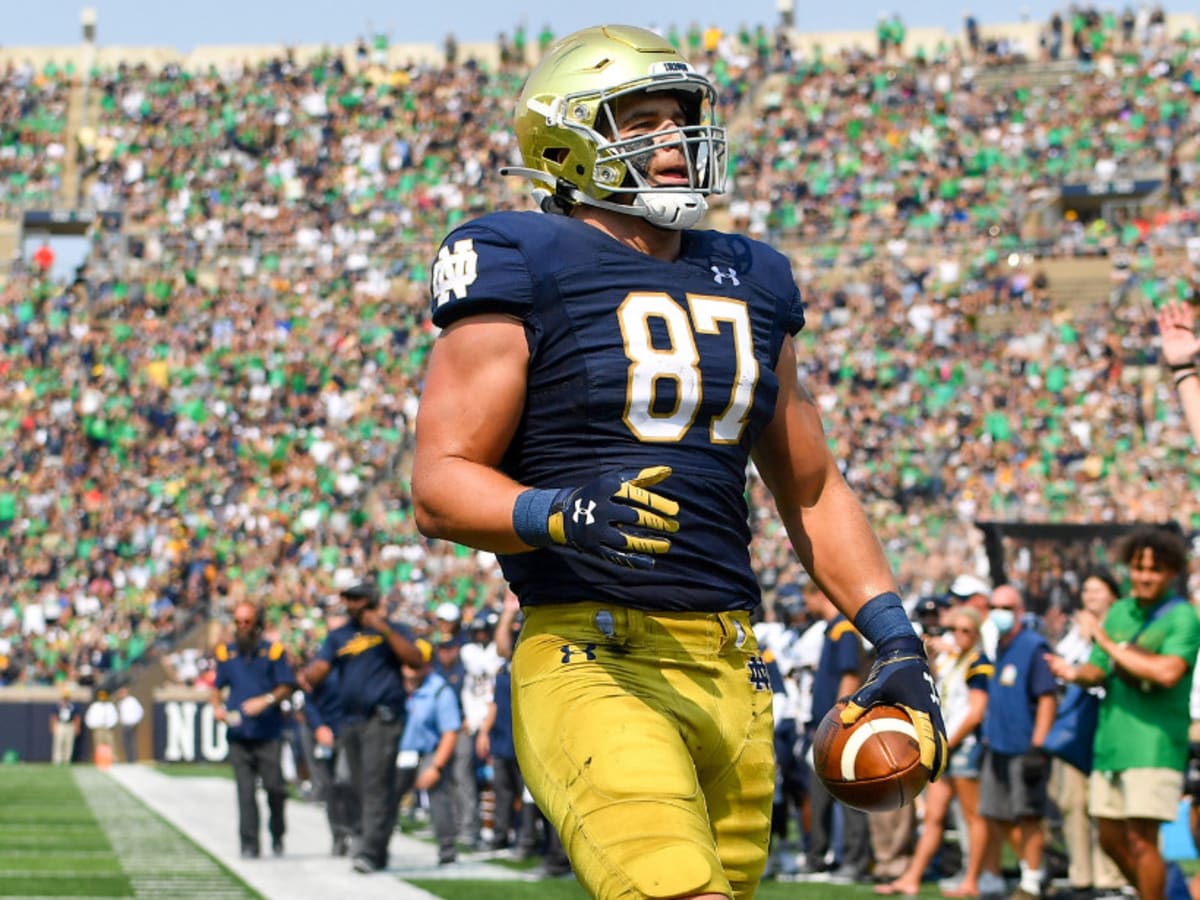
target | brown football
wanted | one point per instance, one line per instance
(872, 765)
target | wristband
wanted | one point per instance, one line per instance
(1180, 367)
(1183, 376)
(883, 621)
(531, 516)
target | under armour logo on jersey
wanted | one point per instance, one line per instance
(759, 676)
(454, 272)
(585, 511)
(588, 651)
(719, 275)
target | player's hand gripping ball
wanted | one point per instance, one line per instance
(873, 764)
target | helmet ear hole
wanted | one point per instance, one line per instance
(556, 155)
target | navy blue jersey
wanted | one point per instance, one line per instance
(634, 362)
(369, 670)
(252, 676)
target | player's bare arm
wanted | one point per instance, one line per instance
(823, 518)
(835, 542)
(312, 674)
(470, 407)
(1163, 670)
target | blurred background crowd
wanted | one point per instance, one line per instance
(218, 403)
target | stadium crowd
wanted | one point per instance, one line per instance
(219, 405)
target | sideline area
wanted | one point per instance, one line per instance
(205, 809)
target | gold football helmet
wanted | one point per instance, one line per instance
(567, 129)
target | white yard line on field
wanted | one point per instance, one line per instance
(159, 861)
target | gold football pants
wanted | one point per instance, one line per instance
(646, 740)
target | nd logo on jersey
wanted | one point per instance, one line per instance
(454, 272)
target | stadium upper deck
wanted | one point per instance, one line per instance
(916, 39)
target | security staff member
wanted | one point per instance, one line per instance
(258, 678)
(368, 652)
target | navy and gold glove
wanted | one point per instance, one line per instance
(613, 517)
(900, 677)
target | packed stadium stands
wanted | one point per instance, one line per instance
(219, 403)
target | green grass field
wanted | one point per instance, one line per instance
(74, 832)
(50, 843)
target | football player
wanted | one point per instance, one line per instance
(604, 375)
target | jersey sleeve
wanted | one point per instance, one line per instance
(222, 676)
(329, 649)
(1041, 679)
(281, 669)
(979, 673)
(478, 270)
(847, 648)
(795, 312)
(449, 717)
(790, 303)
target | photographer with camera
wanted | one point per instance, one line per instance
(368, 652)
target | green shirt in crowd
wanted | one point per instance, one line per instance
(1144, 727)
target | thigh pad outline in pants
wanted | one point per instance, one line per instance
(640, 750)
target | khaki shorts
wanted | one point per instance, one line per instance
(647, 741)
(1135, 794)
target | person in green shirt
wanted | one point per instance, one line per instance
(1143, 655)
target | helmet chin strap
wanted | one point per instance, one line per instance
(673, 210)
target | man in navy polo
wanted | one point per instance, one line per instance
(368, 652)
(1015, 767)
(253, 678)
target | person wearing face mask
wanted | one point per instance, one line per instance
(1022, 700)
